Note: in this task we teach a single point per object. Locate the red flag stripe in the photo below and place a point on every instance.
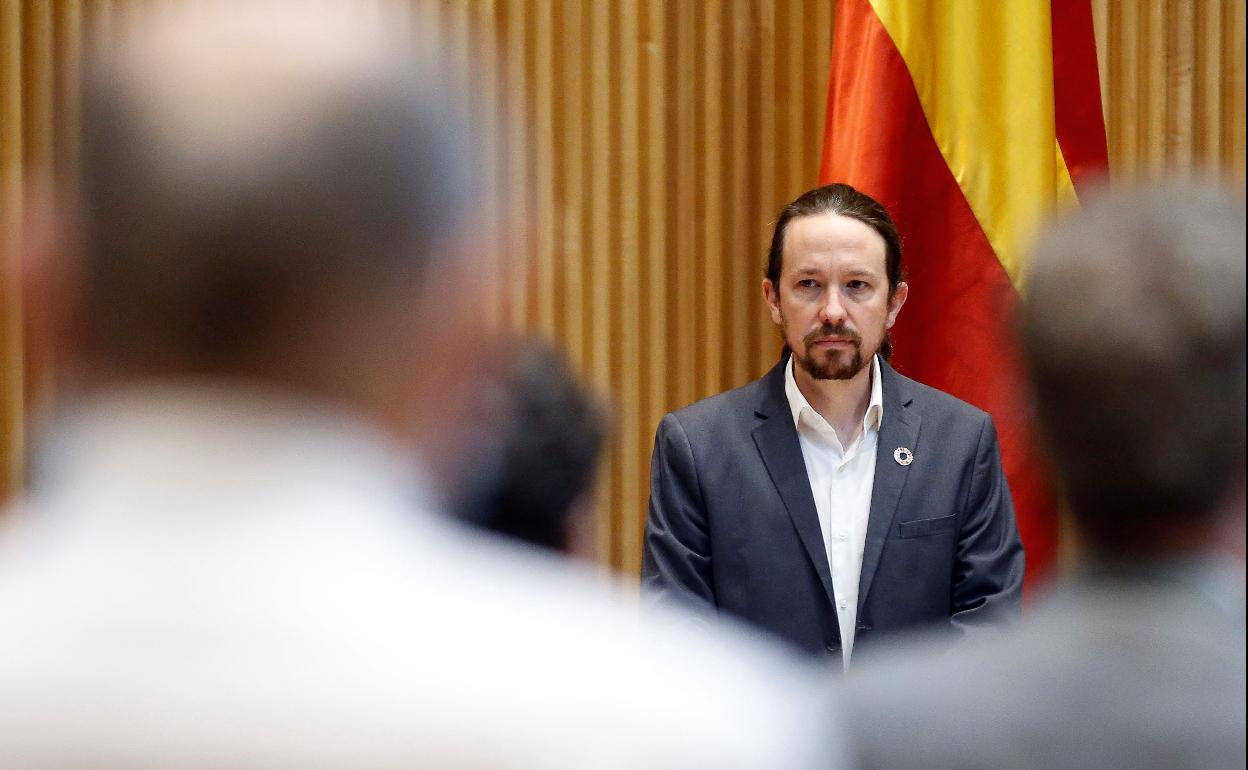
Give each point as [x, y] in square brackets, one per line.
[1080, 124]
[954, 332]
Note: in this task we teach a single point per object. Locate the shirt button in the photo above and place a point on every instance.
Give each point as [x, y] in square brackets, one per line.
[843, 534]
[844, 603]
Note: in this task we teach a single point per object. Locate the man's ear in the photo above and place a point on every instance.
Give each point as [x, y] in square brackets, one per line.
[895, 301]
[771, 293]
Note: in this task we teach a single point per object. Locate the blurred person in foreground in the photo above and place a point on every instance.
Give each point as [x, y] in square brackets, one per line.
[267, 300]
[1134, 334]
[539, 436]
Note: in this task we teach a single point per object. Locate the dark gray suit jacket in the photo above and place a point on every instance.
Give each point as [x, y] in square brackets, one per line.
[1121, 667]
[733, 525]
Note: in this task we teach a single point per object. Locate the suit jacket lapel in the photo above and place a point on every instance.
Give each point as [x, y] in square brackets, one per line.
[899, 429]
[776, 439]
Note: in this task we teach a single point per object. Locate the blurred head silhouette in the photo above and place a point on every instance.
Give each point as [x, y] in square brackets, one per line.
[1134, 332]
[540, 437]
[287, 210]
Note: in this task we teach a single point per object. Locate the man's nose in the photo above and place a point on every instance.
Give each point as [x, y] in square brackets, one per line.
[832, 311]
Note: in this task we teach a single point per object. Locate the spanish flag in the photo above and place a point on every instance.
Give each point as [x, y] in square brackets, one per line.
[970, 121]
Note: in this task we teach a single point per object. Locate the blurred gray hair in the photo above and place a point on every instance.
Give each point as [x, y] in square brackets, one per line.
[1134, 333]
[247, 176]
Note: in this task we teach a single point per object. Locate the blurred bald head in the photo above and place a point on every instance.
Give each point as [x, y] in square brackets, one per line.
[1134, 331]
[268, 190]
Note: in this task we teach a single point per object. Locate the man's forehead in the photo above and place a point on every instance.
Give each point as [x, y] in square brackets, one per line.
[815, 242]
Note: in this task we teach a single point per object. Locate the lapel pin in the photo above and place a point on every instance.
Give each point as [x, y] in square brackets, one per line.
[903, 456]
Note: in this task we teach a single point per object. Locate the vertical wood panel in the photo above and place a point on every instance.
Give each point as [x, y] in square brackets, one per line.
[1233, 30]
[635, 154]
[547, 285]
[568, 171]
[600, 215]
[1172, 84]
[680, 264]
[1123, 126]
[709, 249]
[68, 49]
[1153, 107]
[1207, 63]
[12, 403]
[741, 264]
[796, 169]
[654, 146]
[766, 98]
[1179, 61]
[518, 151]
[38, 86]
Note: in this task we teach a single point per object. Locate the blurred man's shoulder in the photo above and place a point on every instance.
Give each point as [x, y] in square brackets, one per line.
[435, 648]
[687, 683]
[1101, 669]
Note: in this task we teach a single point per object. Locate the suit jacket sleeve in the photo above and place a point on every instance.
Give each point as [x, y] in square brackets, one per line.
[676, 563]
[988, 572]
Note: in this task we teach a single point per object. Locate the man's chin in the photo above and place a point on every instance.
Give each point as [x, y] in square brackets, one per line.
[833, 365]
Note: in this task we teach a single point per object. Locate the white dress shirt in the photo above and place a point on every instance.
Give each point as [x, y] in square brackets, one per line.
[209, 578]
[841, 480]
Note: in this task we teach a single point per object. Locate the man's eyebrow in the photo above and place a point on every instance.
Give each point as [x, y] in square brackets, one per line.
[860, 271]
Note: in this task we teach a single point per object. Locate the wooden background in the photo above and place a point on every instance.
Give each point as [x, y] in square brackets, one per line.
[646, 147]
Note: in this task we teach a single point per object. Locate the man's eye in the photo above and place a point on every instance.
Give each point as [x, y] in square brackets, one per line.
[856, 285]
[808, 283]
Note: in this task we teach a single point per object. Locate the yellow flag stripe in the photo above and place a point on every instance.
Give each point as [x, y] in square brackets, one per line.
[983, 70]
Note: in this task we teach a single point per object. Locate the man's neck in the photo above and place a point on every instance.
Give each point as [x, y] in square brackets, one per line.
[843, 403]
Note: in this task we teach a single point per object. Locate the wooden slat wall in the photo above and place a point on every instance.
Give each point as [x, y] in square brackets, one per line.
[643, 148]
[653, 141]
[1172, 83]
[11, 167]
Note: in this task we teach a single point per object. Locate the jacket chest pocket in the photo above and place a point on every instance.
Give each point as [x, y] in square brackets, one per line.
[921, 527]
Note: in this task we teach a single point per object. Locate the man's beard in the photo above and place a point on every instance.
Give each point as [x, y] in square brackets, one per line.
[832, 364]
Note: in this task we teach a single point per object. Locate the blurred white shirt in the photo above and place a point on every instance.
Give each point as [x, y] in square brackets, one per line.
[214, 579]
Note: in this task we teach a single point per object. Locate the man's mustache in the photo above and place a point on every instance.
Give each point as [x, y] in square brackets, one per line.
[834, 330]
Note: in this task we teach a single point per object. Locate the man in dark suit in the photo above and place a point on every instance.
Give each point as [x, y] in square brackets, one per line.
[834, 500]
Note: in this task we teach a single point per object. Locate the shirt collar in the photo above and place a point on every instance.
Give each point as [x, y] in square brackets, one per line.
[798, 405]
